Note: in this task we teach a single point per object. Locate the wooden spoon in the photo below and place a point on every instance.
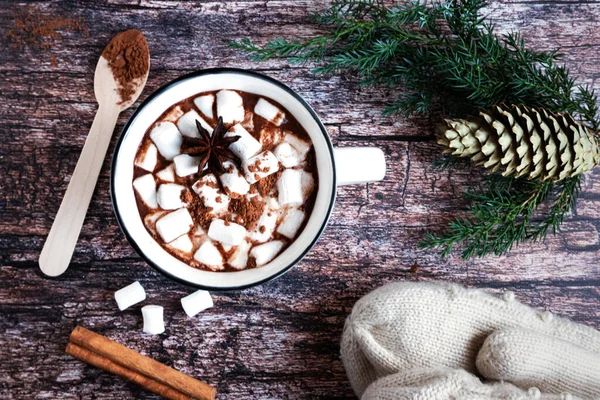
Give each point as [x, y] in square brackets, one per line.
[60, 244]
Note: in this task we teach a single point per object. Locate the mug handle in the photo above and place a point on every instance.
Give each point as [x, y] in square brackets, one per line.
[358, 165]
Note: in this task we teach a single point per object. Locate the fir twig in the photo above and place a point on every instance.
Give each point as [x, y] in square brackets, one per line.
[444, 56]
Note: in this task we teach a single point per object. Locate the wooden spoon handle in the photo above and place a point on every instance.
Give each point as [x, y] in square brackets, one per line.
[60, 244]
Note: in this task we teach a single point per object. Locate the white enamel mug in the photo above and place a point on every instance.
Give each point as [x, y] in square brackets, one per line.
[335, 167]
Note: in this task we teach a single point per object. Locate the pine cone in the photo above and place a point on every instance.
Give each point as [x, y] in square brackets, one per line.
[524, 141]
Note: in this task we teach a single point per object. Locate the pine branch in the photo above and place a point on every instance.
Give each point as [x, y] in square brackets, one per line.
[443, 56]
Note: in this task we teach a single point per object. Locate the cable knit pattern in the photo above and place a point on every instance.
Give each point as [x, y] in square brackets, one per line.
[525, 358]
[408, 326]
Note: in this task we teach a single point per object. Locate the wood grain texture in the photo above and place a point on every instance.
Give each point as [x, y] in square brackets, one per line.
[280, 340]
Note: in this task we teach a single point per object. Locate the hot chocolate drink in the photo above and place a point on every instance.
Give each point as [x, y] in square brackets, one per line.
[225, 180]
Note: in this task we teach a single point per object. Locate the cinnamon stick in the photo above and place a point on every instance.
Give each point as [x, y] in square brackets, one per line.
[105, 364]
[137, 363]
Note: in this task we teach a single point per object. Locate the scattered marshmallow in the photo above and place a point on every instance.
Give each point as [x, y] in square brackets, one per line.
[291, 223]
[205, 104]
[146, 188]
[547, 316]
[169, 196]
[230, 106]
[187, 124]
[308, 184]
[186, 165]
[269, 112]
[264, 226]
[239, 258]
[509, 295]
[260, 166]
[233, 181]
[196, 302]
[209, 255]
[289, 186]
[167, 174]
[130, 295]
[167, 139]
[246, 146]
[154, 323]
[287, 155]
[148, 158]
[174, 224]
[182, 243]
[301, 146]
[534, 392]
[266, 252]
[226, 232]
[207, 189]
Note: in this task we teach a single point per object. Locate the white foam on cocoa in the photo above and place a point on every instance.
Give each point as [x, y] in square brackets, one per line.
[169, 196]
[182, 243]
[186, 165]
[265, 226]
[289, 186]
[167, 139]
[301, 146]
[260, 166]
[196, 302]
[209, 255]
[264, 253]
[187, 124]
[174, 224]
[269, 112]
[228, 233]
[246, 146]
[147, 158]
[205, 105]
[291, 222]
[233, 181]
[167, 174]
[230, 106]
[210, 195]
[239, 258]
[146, 188]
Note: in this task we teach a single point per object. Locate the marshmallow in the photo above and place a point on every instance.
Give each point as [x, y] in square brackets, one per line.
[272, 203]
[226, 247]
[287, 155]
[187, 124]
[167, 174]
[154, 323]
[182, 243]
[291, 223]
[173, 115]
[266, 252]
[199, 231]
[260, 166]
[289, 186]
[230, 106]
[232, 181]
[239, 258]
[146, 188]
[269, 112]
[246, 146]
[151, 218]
[167, 139]
[147, 159]
[207, 188]
[130, 295]
[209, 255]
[308, 184]
[227, 233]
[174, 224]
[264, 226]
[301, 146]
[196, 302]
[270, 135]
[169, 196]
[205, 105]
[186, 165]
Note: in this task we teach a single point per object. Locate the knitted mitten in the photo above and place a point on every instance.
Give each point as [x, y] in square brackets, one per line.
[422, 326]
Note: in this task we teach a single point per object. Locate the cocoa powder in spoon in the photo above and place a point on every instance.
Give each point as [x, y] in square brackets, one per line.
[127, 56]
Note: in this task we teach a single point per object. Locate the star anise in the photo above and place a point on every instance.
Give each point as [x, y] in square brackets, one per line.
[212, 149]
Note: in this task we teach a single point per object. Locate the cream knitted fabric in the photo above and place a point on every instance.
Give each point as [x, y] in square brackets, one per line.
[406, 326]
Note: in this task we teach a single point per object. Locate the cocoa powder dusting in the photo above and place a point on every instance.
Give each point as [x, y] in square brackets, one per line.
[127, 56]
[248, 211]
[265, 185]
[200, 213]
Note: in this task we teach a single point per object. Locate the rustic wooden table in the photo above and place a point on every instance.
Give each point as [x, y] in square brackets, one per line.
[279, 340]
